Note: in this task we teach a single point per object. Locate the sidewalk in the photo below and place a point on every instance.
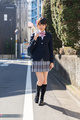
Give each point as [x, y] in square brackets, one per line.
[59, 103]
[74, 91]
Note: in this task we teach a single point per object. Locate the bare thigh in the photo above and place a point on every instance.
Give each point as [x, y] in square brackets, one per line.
[40, 78]
[45, 74]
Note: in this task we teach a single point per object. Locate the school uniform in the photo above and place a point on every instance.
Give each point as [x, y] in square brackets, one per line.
[42, 52]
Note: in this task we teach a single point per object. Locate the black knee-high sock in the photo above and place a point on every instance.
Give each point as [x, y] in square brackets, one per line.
[38, 90]
[43, 90]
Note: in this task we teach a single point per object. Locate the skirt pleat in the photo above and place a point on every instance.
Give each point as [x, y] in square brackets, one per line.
[40, 66]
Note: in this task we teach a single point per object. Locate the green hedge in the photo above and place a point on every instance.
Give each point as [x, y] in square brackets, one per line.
[65, 17]
[46, 12]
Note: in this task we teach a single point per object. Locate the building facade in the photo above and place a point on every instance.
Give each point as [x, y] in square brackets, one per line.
[31, 29]
[22, 19]
[7, 28]
[13, 16]
[34, 10]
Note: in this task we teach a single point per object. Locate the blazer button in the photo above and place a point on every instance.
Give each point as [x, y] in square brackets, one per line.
[41, 42]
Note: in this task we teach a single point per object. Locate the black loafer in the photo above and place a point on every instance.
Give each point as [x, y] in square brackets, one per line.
[41, 102]
[36, 99]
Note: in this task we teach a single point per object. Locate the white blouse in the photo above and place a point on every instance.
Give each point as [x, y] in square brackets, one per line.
[41, 31]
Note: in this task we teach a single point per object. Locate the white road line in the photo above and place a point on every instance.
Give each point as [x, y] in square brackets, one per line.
[4, 64]
[20, 62]
[28, 106]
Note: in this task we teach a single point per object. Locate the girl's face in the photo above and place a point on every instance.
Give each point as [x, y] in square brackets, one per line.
[41, 27]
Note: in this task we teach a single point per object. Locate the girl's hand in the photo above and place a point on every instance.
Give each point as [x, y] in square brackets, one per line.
[51, 65]
[36, 35]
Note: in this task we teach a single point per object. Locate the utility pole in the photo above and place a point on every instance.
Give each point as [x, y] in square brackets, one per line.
[20, 27]
[16, 34]
[11, 35]
[37, 9]
[37, 12]
[41, 5]
[20, 17]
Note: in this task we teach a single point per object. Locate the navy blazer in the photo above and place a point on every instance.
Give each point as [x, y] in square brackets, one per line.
[42, 48]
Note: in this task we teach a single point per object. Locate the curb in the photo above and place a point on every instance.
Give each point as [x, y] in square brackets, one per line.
[74, 91]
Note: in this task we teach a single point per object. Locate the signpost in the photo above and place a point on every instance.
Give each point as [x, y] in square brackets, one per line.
[5, 17]
[16, 34]
[24, 50]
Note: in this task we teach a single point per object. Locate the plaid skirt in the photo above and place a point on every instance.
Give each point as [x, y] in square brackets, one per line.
[40, 66]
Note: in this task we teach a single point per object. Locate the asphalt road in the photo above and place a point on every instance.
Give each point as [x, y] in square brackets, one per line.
[17, 91]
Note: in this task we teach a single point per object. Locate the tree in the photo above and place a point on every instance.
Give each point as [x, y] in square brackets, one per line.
[46, 12]
[65, 16]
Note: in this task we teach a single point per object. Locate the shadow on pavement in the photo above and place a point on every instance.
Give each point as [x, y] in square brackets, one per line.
[64, 111]
[50, 80]
[60, 72]
[12, 80]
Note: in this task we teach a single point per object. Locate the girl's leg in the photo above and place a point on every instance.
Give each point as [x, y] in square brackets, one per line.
[45, 74]
[39, 83]
[43, 88]
[40, 78]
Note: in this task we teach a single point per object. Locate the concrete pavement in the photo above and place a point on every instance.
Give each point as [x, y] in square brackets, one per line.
[59, 103]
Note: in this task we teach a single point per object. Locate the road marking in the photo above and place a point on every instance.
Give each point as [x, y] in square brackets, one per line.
[20, 62]
[28, 106]
[4, 64]
[10, 115]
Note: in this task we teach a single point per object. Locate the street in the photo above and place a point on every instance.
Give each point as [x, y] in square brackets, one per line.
[17, 92]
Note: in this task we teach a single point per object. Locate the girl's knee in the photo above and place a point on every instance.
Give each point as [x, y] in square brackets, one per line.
[45, 82]
[40, 82]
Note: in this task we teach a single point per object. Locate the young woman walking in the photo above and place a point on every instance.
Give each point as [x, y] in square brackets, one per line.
[41, 47]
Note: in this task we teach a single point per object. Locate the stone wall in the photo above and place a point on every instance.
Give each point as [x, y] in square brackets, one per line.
[68, 66]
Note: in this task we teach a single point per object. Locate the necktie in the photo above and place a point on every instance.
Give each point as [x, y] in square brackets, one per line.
[42, 34]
